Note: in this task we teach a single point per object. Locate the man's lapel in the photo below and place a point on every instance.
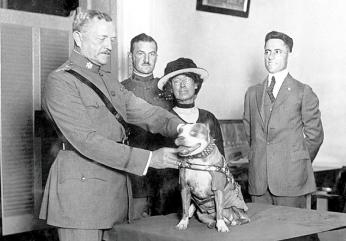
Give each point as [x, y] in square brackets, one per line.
[284, 91]
[260, 92]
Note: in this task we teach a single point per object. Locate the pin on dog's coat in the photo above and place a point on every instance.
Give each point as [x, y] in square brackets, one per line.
[206, 180]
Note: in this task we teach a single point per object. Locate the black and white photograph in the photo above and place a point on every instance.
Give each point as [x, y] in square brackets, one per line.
[197, 120]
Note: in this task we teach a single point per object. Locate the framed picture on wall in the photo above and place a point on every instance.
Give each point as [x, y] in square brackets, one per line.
[238, 8]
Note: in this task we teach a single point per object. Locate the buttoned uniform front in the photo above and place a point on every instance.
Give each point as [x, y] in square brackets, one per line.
[88, 187]
[283, 142]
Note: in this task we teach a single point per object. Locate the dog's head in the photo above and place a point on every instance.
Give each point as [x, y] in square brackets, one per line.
[193, 138]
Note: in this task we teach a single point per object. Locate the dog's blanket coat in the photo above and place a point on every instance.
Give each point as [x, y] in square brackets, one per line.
[232, 195]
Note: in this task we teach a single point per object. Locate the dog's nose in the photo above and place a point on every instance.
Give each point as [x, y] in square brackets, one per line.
[179, 140]
[180, 130]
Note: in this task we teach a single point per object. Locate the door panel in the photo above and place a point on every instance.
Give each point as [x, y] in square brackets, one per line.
[16, 123]
[31, 46]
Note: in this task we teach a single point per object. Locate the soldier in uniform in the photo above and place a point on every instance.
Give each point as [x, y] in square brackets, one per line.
[151, 192]
[88, 189]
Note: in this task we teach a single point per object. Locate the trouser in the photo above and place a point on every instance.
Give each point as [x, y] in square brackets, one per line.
[269, 198]
[70, 234]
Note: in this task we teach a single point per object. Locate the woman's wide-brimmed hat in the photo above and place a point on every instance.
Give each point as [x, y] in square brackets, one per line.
[181, 66]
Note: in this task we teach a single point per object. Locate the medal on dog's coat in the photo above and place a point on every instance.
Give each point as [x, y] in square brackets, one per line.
[206, 180]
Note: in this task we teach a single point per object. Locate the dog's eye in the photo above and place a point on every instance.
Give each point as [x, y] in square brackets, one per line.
[193, 133]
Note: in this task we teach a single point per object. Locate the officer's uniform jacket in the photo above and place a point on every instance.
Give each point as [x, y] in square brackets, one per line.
[146, 88]
[284, 138]
[88, 187]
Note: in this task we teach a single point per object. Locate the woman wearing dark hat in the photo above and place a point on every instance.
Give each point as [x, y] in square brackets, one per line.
[182, 82]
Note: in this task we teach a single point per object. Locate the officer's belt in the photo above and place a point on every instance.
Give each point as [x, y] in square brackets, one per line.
[66, 146]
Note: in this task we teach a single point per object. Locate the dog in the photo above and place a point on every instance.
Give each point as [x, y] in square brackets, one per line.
[205, 179]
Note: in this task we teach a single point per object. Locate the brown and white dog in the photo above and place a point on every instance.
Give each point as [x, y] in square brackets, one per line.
[205, 179]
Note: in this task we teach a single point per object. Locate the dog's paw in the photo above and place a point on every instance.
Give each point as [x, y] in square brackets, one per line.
[192, 209]
[221, 226]
[211, 225]
[182, 225]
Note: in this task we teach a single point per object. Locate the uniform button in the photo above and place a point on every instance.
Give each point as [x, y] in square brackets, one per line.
[113, 93]
[268, 142]
[83, 178]
[271, 109]
[100, 74]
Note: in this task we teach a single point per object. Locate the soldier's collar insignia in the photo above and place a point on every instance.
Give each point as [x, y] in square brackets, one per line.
[89, 65]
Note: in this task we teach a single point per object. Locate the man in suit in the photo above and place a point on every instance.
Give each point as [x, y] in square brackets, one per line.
[88, 189]
[283, 125]
[147, 189]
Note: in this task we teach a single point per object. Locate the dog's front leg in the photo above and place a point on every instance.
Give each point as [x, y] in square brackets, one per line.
[186, 200]
[220, 223]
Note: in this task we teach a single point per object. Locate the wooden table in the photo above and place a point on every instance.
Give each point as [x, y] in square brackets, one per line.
[267, 223]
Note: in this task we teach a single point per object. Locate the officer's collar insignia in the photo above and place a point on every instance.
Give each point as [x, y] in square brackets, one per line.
[66, 67]
[89, 65]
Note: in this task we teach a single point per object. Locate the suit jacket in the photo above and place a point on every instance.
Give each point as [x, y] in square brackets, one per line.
[88, 187]
[282, 152]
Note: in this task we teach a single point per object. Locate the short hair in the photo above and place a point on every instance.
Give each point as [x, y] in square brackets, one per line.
[278, 35]
[83, 18]
[141, 37]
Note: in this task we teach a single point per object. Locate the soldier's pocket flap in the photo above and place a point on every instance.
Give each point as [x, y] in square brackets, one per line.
[72, 167]
[67, 166]
[301, 155]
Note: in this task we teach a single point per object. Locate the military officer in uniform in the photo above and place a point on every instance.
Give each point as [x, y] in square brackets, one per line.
[88, 189]
[143, 56]
[147, 190]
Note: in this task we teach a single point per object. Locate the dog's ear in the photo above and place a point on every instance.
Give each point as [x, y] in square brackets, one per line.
[208, 126]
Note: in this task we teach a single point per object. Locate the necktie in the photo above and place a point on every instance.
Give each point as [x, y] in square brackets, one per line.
[270, 90]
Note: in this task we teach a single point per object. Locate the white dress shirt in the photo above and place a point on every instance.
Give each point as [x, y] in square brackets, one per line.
[279, 79]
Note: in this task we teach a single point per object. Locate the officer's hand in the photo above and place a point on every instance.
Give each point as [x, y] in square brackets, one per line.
[164, 158]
